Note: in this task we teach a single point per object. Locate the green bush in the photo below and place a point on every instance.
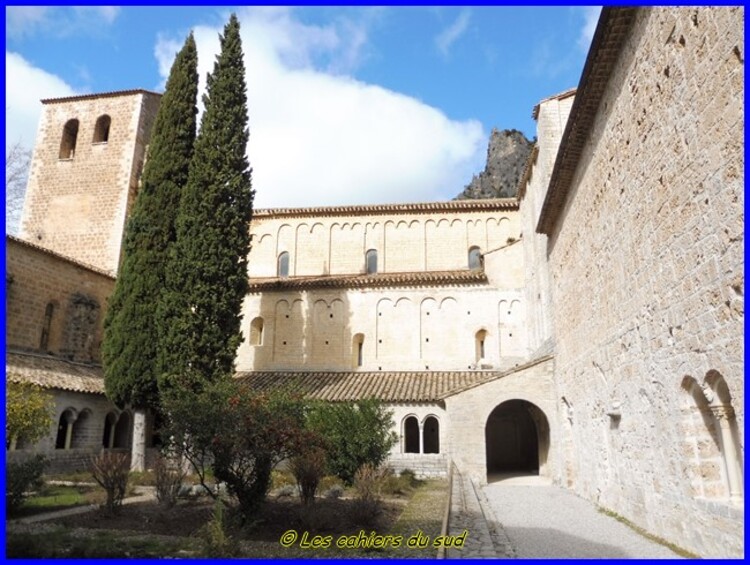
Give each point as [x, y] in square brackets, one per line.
[28, 412]
[355, 433]
[217, 541]
[22, 477]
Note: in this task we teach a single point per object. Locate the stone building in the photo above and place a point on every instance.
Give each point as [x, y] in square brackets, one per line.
[588, 331]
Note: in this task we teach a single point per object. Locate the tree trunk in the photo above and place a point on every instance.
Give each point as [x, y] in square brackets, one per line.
[138, 457]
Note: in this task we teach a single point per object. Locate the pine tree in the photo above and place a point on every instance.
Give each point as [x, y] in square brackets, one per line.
[129, 349]
[207, 280]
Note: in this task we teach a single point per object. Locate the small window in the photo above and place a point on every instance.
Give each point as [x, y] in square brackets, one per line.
[44, 342]
[475, 258]
[431, 435]
[283, 264]
[480, 339]
[101, 130]
[69, 138]
[371, 262]
[357, 346]
[256, 331]
[108, 439]
[411, 435]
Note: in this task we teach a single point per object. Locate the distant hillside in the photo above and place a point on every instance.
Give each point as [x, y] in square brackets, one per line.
[506, 157]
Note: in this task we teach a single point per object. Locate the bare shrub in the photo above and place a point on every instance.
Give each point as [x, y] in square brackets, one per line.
[368, 485]
[169, 478]
[110, 470]
[308, 469]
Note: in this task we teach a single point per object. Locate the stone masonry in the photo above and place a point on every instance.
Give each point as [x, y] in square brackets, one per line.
[80, 187]
[646, 258]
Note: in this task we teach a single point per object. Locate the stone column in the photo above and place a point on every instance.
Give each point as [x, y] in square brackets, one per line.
[724, 415]
[421, 437]
[138, 457]
[68, 433]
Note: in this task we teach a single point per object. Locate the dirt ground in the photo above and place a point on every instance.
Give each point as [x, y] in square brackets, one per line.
[276, 517]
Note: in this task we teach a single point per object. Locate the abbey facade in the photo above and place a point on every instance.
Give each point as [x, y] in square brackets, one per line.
[588, 331]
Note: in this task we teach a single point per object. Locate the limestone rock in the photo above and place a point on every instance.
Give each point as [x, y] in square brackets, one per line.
[506, 157]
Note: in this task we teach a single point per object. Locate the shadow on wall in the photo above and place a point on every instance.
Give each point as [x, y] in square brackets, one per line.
[305, 331]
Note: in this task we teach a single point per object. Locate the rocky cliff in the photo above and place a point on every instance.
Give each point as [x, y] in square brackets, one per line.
[506, 157]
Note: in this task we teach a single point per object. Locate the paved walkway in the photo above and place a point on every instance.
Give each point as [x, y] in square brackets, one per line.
[545, 521]
[527, 517]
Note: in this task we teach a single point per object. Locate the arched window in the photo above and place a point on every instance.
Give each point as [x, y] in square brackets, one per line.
[80, 435]
[65, 429]
[480, 339]
[69, 138]
[431, 435]
[411, 435]
[282, 267]
[122, 431]
[256, 331]
[101, 130]
[44, 341]
[475, 258]
[371, 261]
[358, 342]
[108, 439]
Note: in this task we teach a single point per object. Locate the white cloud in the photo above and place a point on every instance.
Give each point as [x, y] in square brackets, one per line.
[319, 137]
[58, 21]
[591, 18]
[25, 86]
[446, 38]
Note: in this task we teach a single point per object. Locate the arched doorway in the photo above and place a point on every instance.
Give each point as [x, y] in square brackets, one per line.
[516, 439]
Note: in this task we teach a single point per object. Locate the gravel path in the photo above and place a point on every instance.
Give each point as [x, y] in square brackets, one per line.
[549, 522]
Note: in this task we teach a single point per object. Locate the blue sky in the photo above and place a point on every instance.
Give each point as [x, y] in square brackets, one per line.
[347, 105]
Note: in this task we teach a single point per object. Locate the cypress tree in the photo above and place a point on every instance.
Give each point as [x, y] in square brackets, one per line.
[129, 349]
[207, 278]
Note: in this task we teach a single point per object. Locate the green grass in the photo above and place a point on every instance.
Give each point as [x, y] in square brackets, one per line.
[54, 497]
[661, 541]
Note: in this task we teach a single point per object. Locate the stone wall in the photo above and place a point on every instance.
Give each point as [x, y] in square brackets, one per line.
[77, 199]
[647, 265]
[470, 410]
[54, 305]
[412, 239]
[551, 117]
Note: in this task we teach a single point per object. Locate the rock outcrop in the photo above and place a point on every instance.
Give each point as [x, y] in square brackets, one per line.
[506, 157]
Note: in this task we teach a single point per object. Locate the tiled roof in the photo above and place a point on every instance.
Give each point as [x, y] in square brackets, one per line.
[610, 35]
[429, 278]
[375, 209]
[60, 256]
[99, 95]
[53, 372]
[388, 386]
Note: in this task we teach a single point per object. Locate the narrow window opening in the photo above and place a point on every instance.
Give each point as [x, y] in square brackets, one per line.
[283, 264]
[256, 331]
[69, 139]
[371, 261]
[475, 258]
[101, 130]
[411, 435]
[44, 341]
[357, 348]
[431, 435]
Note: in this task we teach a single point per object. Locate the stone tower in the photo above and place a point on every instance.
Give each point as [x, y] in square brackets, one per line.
[84, 175]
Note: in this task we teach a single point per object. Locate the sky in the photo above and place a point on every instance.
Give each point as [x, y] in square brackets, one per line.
[356, 105]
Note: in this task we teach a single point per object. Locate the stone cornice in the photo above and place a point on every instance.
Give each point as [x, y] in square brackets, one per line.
[379, 280]
[489, 204]
[57, 255]
[111, 94]
[611, 33]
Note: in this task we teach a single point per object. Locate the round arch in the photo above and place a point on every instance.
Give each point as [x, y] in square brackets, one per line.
[517, 439]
